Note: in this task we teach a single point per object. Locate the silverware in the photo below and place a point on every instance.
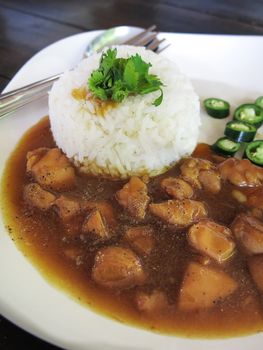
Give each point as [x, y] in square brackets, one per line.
[11, 101]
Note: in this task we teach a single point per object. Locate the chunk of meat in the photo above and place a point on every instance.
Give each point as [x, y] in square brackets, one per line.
[212, 239]
[140, 238]
[67, 207]
[117, 267]
[51, 169]
[203, 286]
[210, 180]
[191, 167]
[241, 172]
[34, 156]
[249, 232]
[70, 213]
[153, 302]
[37, 197]
[105, 209]
[95, 226]
[180, 213]
[133, 196]
[255, 265]
[257, 213]
[204, 151]
[177, 188]
[255, 199]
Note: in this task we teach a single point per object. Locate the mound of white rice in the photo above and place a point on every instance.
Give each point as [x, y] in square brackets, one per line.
[133, 138]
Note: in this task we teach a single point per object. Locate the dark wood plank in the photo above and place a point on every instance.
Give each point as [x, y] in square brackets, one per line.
[13, 338]
[22, 35]
[3, 82]
[170, 15]
[249, 12]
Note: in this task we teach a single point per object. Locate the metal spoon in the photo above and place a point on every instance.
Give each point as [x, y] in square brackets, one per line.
[113, 36]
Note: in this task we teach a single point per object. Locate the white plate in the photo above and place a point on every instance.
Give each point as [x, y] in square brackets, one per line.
[226, 66]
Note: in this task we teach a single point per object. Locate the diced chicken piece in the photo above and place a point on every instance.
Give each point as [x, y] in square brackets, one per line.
[201, 173]
[34, 156]
[212, 239]
[105, 209]
[177, 188]
[210, 180]
[249, 232]
[241, 172]
[257, 213]
[51, 169]
[133, 196]
[191, 168]
[255, 265]
[204, 151]
[117, 267]
[67, 207]
[180, 213]
[203, 286]
[95, 226]
[217, 159]
[37, 197]
[140, 238]
[155, 301]
[255, 199]
[70, 212]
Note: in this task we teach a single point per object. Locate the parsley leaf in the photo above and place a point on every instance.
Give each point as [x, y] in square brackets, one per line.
[130, 76]
[159, 99]
[107, 60]
[117, 78]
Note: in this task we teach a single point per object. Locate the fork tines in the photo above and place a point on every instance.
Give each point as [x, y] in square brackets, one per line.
[147, 38]
[134, 40]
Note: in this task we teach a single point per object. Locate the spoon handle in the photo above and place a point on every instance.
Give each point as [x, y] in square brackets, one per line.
[11, 101]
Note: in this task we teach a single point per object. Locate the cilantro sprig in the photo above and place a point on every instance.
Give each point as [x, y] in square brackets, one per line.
[117, 78]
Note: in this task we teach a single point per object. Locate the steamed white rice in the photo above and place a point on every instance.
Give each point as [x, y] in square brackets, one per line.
[134, 138]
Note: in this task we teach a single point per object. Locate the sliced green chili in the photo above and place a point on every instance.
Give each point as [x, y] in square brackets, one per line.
[254, 152]
[216, 107]
[249, 113]
[239, 131]
[225, 146]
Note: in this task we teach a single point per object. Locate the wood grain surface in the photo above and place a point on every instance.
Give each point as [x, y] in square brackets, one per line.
[28, 26]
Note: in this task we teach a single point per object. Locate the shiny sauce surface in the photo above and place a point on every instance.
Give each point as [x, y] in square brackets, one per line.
[41, 237]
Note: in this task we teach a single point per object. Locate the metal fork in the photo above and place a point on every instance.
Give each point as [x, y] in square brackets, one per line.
[15, 99]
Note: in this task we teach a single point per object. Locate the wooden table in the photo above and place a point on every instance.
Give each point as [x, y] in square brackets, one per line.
[28, 26]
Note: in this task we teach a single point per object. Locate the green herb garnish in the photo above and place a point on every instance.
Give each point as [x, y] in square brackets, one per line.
[117, 78]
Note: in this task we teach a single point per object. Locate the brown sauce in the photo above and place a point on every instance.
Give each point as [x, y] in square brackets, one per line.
[100, 107]
[41, 238]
